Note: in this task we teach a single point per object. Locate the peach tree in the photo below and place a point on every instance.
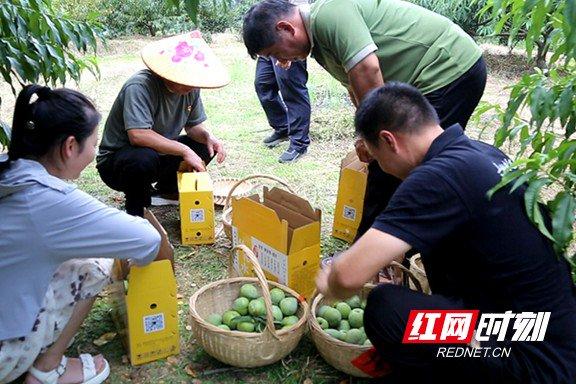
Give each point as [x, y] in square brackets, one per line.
[539, 120]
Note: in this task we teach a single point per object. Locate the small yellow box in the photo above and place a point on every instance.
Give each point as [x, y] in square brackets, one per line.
[350, 199]
[196, 208]
[283, 231]
[145, 307]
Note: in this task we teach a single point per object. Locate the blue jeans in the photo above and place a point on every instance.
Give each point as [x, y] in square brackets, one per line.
[285, 100]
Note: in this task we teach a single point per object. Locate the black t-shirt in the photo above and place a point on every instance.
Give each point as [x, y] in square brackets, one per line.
[484, 252]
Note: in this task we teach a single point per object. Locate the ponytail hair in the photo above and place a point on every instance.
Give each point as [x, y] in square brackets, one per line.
[43, 124]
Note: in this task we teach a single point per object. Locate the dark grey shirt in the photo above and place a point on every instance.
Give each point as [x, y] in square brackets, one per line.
[145, 102]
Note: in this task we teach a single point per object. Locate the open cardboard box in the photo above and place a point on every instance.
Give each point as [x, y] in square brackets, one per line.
[283, 231]
[350, 199]
[145, 305]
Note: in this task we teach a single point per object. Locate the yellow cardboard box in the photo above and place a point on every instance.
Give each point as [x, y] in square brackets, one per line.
[283, 230]
[196, 208]
[145, 305]
[350, 200]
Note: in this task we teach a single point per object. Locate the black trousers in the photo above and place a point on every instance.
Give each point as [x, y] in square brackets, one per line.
[385, 318]
[132, 170]
[454, 103]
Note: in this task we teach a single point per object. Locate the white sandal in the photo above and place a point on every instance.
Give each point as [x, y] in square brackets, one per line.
[88, 371]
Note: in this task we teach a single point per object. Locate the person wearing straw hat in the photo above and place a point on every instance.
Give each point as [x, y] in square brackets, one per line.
[480, 251]
[141, 143]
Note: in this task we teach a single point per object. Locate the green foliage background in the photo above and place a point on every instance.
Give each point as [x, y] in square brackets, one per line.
[540, 118]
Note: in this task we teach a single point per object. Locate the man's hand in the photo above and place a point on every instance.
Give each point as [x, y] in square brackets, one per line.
[215, 147]
[284, 64]
[362, 152]
[192, 162]
[322, 284]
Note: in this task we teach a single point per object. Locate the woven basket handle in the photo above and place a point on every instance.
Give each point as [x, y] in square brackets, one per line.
[410, 275]
[263, 283]
[239, 182]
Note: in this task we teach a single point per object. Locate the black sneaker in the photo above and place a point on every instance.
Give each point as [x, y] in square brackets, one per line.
[275, 139]
[290, 155]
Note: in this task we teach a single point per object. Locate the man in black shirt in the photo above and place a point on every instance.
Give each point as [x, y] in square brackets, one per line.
[479, 252]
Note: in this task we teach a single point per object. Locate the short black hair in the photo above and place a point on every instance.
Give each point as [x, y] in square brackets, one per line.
[260, 21]
[394, 107]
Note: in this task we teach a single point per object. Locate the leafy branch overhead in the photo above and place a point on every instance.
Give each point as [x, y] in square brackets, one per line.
[37, 45]
[539, 121]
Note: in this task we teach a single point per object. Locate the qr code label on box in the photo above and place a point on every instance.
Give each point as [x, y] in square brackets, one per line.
[349, 213]
[154, 323]
[196, 215]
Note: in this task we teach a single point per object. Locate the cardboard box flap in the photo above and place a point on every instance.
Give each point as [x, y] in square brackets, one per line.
[263, 221]
[351, 161]
[194, 182]
[150, 277]
[166, 251]
[304, 237]
[292, 202]
[294, 219]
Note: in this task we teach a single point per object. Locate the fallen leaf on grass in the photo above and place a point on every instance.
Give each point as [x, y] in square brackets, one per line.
[105, 339]
[308, 381]
[125, 359]
[189, 371]
[173, 360]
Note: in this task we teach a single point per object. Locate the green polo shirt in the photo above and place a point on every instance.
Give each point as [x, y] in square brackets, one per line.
[414, 45]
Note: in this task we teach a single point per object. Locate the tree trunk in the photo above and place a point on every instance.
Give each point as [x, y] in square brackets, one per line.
[151, 29]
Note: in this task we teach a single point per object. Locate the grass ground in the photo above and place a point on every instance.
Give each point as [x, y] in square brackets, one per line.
[236, 117]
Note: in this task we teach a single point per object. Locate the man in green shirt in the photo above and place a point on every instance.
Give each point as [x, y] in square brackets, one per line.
[363, 43]
[142, 142]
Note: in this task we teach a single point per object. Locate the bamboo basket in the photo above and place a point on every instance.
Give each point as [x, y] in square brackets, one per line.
[223, 185]
[417, 268]
[242, 349]
[337, 353]
[227, 211]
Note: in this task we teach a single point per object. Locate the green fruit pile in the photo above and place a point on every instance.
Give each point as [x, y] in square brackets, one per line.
[344, 320]
[248, 312]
